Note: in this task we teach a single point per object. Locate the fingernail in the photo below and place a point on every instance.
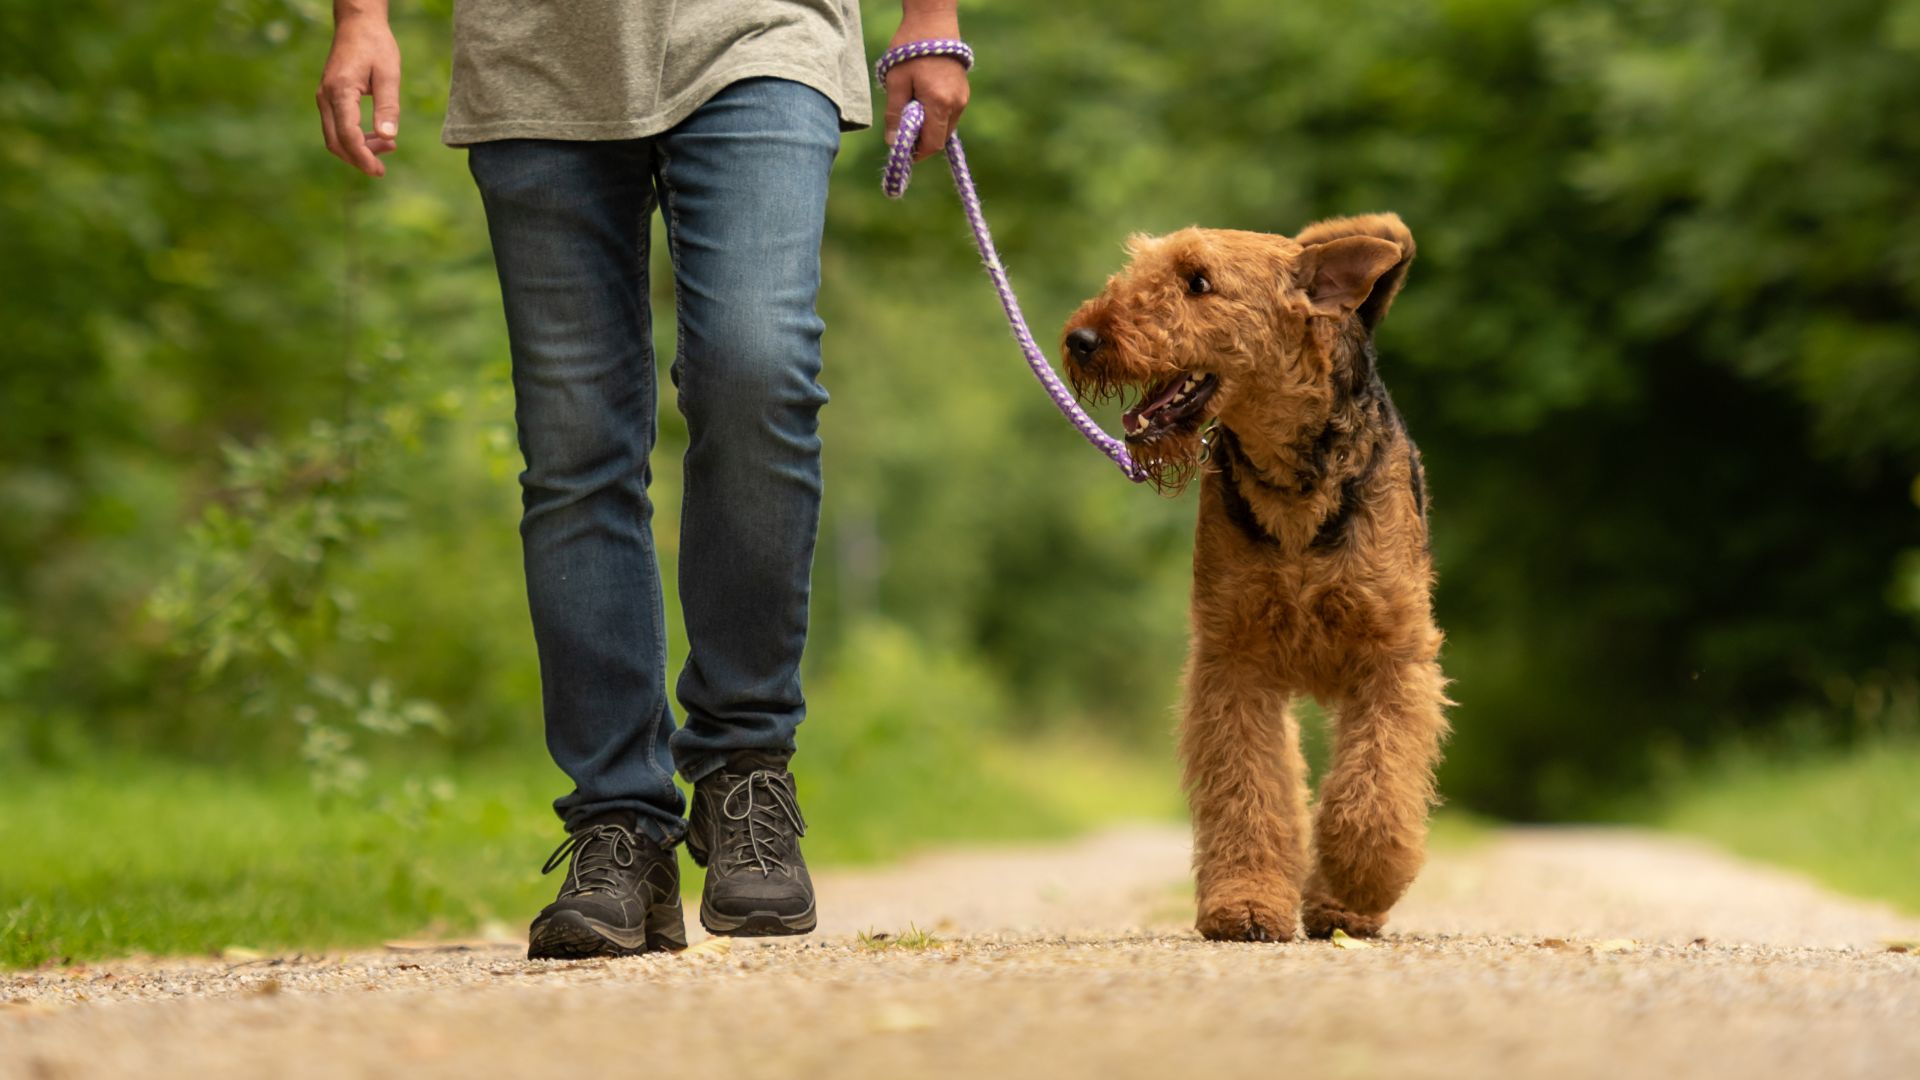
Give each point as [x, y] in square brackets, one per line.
[389, 128]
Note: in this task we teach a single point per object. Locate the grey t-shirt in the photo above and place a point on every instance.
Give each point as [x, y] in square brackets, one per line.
[624, 69]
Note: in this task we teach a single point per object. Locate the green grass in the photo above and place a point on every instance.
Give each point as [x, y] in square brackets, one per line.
[912, 939]
[1849, 819]
[913, 748]
[1458, 830]
[166, 858]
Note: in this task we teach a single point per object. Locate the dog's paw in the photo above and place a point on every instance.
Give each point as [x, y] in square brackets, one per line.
[1322, 917]
[1245, 920]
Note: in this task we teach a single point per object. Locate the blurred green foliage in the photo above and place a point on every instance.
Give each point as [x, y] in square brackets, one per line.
[1660, 351]
[1847, 817]
[249, 860]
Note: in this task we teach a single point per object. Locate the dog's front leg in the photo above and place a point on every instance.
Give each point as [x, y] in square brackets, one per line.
[1246, 784]
[1371, 827]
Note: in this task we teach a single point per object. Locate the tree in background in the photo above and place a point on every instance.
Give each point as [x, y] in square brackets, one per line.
[1659, 351]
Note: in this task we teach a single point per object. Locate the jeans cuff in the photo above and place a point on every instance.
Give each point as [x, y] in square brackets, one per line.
[707, 764]
[653, 826]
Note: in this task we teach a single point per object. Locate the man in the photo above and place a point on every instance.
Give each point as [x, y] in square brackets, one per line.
[580, 119]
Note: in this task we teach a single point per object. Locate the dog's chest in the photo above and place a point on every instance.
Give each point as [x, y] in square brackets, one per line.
[1310, 621]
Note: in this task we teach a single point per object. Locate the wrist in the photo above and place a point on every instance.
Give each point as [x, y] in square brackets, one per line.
[362, 28]
[927, 31]
[359, 13]
[925, 22]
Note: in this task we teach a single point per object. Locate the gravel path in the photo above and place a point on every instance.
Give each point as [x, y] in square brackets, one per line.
[1563, 953]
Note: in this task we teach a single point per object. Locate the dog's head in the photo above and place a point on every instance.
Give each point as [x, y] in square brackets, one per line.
[1215, 323]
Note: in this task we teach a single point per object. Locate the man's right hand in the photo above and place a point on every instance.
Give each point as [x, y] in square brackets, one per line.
[365, 60]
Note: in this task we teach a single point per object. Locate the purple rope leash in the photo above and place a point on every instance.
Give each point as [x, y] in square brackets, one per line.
[894, 183]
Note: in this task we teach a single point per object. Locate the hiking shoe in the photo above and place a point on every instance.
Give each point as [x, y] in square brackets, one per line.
[621, 897]
[745, 829]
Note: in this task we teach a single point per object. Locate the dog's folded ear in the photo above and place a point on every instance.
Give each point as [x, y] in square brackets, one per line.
[1355, 264]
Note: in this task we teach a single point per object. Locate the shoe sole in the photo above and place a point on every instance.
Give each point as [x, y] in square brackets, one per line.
[569, 935]
[758, 923]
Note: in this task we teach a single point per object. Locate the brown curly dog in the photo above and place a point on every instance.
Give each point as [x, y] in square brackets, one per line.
[1253, 359]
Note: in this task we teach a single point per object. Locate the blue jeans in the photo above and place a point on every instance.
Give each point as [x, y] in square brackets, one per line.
[742, 183]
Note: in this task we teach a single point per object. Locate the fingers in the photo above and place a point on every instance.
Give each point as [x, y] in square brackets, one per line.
[326, 125]
[943, 115]
[352, 140]
[899, 92]
[376, 143]
[940, 85]
[386, 102]
[933, 136]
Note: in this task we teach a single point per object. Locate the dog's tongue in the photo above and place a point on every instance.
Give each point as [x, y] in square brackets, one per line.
[1134, 420]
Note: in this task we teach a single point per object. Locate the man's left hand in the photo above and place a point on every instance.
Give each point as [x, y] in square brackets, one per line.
[938, 83]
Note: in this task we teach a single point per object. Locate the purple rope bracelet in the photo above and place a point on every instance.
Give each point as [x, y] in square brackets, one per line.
[894, 183]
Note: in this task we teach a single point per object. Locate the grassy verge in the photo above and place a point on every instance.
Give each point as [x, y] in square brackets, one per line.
[165, 858]
[1849, 819]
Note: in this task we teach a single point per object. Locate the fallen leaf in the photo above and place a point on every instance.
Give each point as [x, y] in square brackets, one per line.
[895, 1017]
[267, 987]
[1343, 940]
[494, 930]
[241, 953]
[713, 946]
[1903, 945]
[1617, 945]
[1553, 943]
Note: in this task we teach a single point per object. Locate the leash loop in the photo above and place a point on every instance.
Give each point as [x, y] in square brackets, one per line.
[893, 181]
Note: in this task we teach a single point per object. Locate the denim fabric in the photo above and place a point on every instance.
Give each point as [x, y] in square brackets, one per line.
[742, 183]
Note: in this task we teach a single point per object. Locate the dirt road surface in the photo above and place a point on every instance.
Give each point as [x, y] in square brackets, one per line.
[1552, 953]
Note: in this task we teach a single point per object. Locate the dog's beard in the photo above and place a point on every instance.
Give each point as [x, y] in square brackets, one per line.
[1095, 387]
[1169, 459]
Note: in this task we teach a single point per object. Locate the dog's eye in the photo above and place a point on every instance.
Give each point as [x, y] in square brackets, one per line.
[1198, 285]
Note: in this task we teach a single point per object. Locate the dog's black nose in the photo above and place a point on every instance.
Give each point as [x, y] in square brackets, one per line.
[1082, 343]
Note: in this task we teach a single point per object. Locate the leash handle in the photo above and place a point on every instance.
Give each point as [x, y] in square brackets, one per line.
[913, 116]
[893, 181]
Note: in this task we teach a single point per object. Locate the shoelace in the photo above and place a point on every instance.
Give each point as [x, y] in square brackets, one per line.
[597, 867]
[763, 801]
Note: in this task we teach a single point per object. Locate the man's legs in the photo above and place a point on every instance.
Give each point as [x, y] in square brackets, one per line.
[569, 223]
[743, 185]
[744, 182]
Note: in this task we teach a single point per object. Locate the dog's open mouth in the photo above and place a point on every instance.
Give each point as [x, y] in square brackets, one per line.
[1175, 404]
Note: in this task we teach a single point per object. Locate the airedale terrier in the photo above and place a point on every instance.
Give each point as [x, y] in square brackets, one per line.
[1254, 361]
